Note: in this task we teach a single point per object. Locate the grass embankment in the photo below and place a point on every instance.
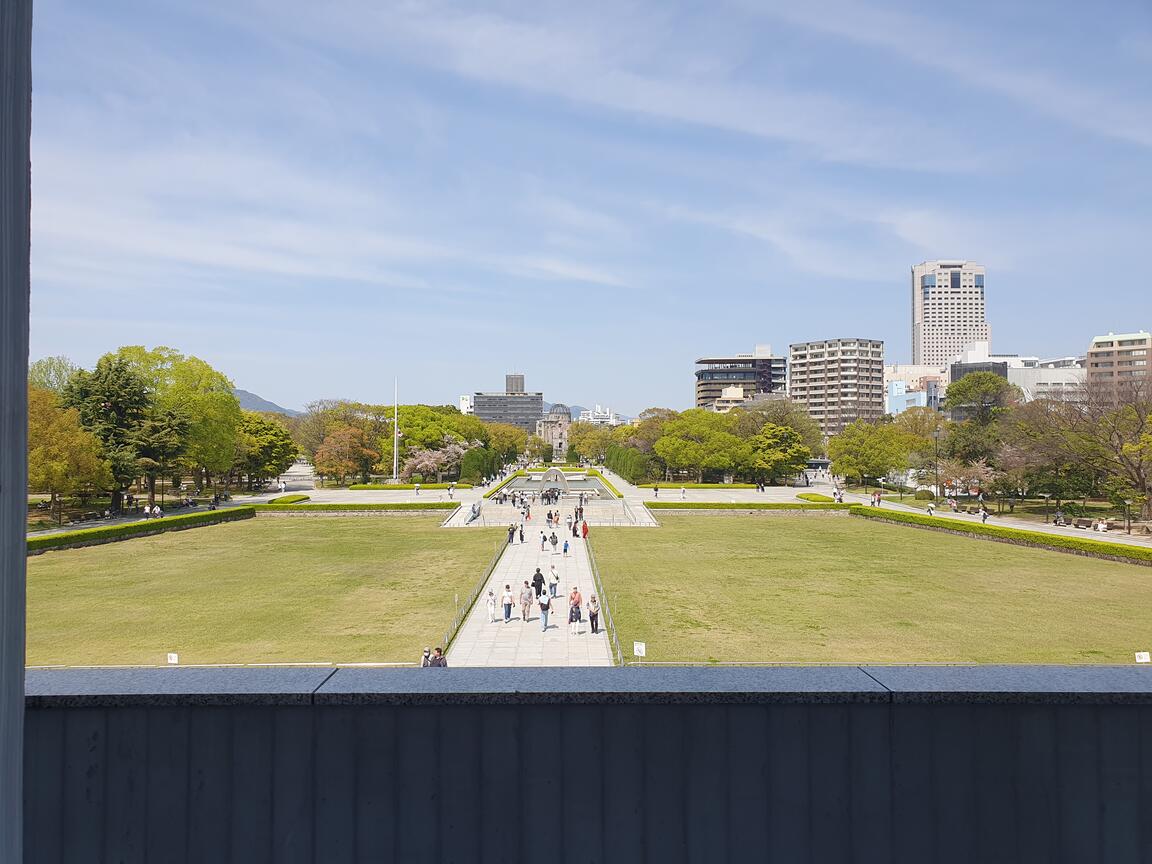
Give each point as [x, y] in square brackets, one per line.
[335, 507]
[862, 591]
[749, 505]
[400, 487]
[143, 527]
[674, 485]
[262, 590]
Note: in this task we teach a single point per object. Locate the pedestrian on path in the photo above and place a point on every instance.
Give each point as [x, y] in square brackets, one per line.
[565, 548]
[521, 532]
[683, 494]
[656, 491]
[538, 582]
[491, 603]
[439, 661]
[554, 541]
[931, 507]
[426, 658]
[543, 540]
[526, 598]
[594, 613]
[545, 607]
[584, 530]
[507, 600]
[568, 521]
[511, 534]
[553, 582]
[574, 601]
[984, 514]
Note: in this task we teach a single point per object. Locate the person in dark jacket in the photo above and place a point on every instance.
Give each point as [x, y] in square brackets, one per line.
[439, 660]
[538, 582]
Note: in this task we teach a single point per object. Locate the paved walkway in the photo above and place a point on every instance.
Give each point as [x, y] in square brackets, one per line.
[519, 643]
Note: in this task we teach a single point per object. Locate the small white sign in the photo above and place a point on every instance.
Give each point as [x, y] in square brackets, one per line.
[173, 659]
[639, 649]
[1143, 657]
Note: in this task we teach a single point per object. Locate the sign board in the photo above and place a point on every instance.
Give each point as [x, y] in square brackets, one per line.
[639, 649]
[173, 659]
[1143, 657]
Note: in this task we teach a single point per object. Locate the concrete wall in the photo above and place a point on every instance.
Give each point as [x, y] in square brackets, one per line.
[1007, 764]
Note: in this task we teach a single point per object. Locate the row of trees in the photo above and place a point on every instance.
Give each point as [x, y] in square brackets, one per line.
[353, 440]
[141, 414]
[766, 444]
[1097, 444]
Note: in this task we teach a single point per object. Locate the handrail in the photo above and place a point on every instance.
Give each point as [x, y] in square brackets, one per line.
[463, 610]
[604, 605]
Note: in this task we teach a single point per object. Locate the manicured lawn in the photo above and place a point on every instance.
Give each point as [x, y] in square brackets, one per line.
[836, 589]
[340, 589]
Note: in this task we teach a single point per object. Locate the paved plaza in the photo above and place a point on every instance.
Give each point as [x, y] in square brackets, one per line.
[523, 643]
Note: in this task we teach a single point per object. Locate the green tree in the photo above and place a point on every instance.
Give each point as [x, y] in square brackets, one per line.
[51, 373]
[589, 440]
[266, 448]
[63, 457]
[866, 449]
[697, 441]
[507, 441]
[347, 451]
[159, 440]
[112, 401]
[778, 451]
[981, 396]
[538, 449]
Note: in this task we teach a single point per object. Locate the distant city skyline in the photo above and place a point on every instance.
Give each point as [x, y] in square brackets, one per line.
[320, 199]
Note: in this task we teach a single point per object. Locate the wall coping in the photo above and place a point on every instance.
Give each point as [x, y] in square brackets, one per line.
[190, 686]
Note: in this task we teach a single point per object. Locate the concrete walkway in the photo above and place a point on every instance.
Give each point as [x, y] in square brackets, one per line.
[519, 643]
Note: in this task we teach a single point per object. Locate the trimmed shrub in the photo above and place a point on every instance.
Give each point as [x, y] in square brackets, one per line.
[289, 499]
[674, 485]
[593, 472]
[404, 505]
[399, 487]
[924, 495]
[504, 483]
[815, 496]
[1019, 536]
[753, 505]
[127, 530]
[629, 463]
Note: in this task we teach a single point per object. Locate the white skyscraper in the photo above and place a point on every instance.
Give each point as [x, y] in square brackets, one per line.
[947, 310]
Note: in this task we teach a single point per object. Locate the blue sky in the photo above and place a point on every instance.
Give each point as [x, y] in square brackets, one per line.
[316, 197]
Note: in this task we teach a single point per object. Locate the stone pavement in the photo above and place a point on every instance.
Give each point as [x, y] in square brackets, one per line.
[519, 643]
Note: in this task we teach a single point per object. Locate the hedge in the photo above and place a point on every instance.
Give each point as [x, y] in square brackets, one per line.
[606, 482]
[505, 482]
[563, 466]
[288, 499]
[1018, 536]
[673, 485]
[815, 496]
[363, 487]
[127, 530]
[753, 505]
[404, 505]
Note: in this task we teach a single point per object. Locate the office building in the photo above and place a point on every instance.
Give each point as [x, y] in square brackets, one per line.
[899, 397]
[513, 406]
[838, 381]
[1119, 362]
[466, 404]
[755, 373]
[947, 310]
[601, 417]
[1060, 383]
[553, 428]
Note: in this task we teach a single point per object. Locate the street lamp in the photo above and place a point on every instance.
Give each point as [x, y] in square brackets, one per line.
[1128, 513]
[1045, 496]
[936, 438]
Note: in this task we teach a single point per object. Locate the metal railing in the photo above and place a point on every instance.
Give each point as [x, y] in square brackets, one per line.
[605, 606]
[462, 609]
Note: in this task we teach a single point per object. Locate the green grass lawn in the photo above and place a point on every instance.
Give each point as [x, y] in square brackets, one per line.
[262, 590]
[837, 589]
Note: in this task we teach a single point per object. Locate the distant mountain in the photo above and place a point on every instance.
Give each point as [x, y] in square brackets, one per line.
[573, 409]
[252, 402]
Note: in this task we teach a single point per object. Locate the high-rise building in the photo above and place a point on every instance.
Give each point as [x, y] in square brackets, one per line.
[512, 406]
[838, 381]
[755, 373]
[1119, 361]
[947, 310]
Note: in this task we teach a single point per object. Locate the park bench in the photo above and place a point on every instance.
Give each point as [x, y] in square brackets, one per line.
[1082, 523]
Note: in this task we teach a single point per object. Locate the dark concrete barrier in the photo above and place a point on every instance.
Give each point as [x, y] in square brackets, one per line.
[821, 764]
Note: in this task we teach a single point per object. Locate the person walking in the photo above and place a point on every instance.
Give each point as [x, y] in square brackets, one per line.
[511, 534]
[526, 598]
[553, 582]
[574, 601]
[545, 607]
[565, 548]
[984, 514]
[931, 507]
[507, 600]
[656, 491]
[491, 604]
[426, 659]
[439, 661]
[521, 532]
[554, 541]
[584, 530]
[538, 582]
[594, 613]
[543, 540]
[683, 493]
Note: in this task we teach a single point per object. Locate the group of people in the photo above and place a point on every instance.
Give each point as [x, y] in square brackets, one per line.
[434, 659]
[533, 594]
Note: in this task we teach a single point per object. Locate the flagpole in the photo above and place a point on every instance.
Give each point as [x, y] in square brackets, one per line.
[395, 429]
